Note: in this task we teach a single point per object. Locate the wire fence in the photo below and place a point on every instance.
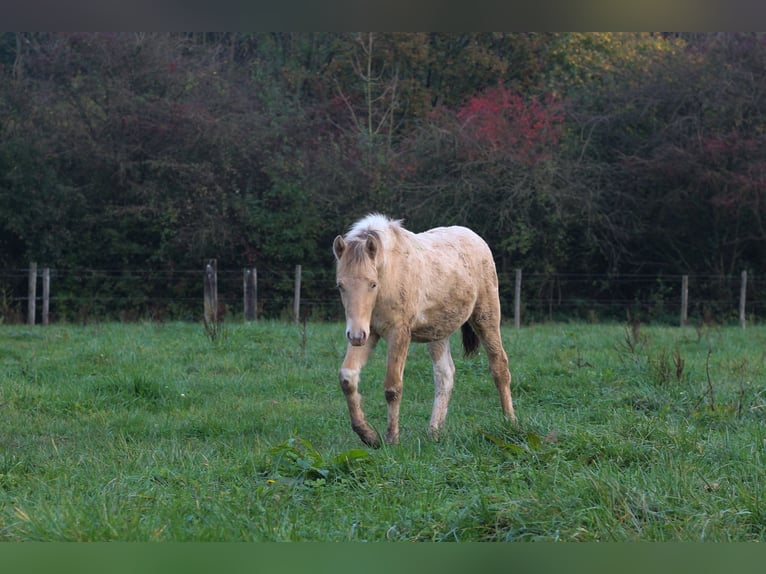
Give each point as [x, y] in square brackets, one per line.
[82, 295]
[643, 297]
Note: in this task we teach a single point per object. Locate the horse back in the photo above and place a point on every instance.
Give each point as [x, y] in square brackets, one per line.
[448, 272]
[458, 250]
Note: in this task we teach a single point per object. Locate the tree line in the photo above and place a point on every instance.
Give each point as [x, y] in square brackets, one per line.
[608, 153]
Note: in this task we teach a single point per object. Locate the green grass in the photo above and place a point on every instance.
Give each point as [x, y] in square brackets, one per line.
[153, 432]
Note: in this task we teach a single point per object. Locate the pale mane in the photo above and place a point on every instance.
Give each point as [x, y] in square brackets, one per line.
[374, 223]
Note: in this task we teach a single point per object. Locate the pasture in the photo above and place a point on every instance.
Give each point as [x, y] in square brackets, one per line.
[140, 432]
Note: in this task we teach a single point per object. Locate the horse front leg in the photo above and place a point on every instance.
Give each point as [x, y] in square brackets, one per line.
[398, 347]
[349, 374]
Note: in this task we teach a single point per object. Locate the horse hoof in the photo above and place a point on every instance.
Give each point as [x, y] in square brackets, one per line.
[392, 439]
[372, 442]
[367, 434]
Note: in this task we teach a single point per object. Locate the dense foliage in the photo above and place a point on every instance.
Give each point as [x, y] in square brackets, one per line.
[570, 153]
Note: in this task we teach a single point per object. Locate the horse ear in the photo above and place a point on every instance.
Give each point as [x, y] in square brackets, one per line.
[371, 246]
[338, 247]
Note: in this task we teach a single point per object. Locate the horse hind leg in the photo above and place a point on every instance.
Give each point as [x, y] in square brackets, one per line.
[489, 333]
[444, 379]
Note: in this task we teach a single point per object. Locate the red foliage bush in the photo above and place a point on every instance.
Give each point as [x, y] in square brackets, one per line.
[498, 121]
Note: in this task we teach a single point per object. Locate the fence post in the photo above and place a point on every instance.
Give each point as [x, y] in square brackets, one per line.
[32, 295]
[250, 293]
[46, 294]
[742, 299]
[211, 291]
[297, 299]
[684, 300]
[517, 301]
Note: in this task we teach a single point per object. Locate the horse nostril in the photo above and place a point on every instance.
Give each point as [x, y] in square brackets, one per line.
[357, 339]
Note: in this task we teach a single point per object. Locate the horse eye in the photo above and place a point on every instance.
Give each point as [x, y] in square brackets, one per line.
[341, 288]
[373, 285]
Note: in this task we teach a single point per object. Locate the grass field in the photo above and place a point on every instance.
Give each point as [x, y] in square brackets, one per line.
[141, 432]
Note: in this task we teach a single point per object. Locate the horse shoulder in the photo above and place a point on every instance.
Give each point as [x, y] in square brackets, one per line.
[399, 285]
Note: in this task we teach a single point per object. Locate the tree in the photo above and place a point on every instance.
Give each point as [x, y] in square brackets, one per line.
[490, 164]
[685, 146]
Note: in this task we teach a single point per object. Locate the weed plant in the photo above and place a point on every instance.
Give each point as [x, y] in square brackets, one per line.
[139, 432]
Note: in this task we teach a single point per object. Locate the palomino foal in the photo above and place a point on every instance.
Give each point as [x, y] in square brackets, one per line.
[406, 287]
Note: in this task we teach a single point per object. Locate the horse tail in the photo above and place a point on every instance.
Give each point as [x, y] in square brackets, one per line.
[470, 340]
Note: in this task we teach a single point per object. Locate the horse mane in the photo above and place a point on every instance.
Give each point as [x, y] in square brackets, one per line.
[374, 225]
[356, 247]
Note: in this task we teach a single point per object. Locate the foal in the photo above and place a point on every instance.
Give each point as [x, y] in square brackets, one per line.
[406, 287]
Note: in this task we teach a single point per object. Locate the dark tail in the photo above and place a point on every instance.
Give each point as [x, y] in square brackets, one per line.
[470, 340]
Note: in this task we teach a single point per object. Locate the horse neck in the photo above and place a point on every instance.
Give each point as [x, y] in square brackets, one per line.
[399, 262]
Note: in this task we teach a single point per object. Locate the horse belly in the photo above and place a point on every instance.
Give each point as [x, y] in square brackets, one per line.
[435, 324]
[430, 333]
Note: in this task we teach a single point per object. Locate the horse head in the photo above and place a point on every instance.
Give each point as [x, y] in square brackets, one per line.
[357, 279]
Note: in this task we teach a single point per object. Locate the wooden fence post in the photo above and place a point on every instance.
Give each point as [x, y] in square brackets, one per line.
[297, 299]
[32, 295]
[742, 299]
[46, 295]
[250, 293]
[517, 301]
[684, 300]
[211, 291]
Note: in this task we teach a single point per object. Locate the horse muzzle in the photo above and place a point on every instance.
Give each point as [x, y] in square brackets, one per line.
[357, 338]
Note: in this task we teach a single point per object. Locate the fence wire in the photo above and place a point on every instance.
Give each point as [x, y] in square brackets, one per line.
[79, 295]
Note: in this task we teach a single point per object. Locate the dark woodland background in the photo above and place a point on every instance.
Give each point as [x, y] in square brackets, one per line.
[128, 159]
